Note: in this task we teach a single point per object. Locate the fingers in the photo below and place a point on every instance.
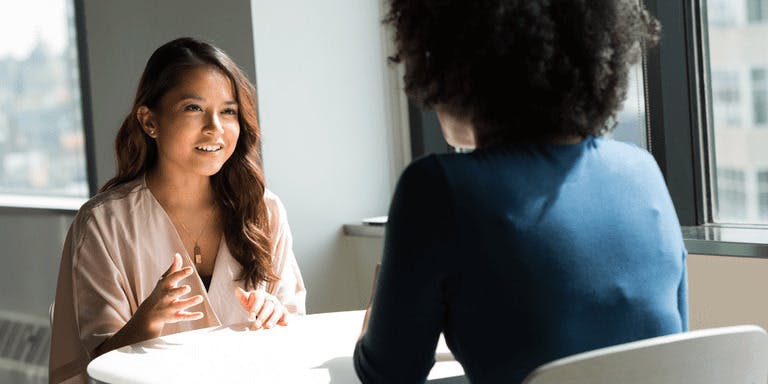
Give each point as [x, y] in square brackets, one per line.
[182, 304]
[175, 265]
[175, 293]
[186, 316]
[179, 312]
[264, 310]
[284, 318]
[274, 316]
[267, 307]
[242, 295]
[175, 277]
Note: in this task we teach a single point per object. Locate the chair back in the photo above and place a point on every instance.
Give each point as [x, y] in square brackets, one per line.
[734, 355]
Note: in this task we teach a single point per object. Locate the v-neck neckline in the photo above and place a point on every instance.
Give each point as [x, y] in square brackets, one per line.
[180, 242]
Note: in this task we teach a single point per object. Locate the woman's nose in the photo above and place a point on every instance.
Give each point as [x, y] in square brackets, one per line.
[214, 123]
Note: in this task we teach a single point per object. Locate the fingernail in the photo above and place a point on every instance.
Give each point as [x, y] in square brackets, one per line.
[252, 316]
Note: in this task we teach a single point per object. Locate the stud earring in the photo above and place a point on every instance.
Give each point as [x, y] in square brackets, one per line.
[151, 133]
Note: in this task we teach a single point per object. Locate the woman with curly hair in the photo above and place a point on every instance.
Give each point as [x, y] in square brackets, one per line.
[548, 239]
[186, 235]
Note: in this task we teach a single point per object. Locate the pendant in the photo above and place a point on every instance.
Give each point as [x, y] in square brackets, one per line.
[198, 254]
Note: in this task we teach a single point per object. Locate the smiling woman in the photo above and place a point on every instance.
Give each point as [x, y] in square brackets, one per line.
[189, 183]
[200, 125]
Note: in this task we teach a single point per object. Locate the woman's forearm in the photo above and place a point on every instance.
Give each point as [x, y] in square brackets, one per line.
[135, 330]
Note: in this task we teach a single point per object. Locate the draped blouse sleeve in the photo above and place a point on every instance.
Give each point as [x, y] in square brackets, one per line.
[290, 288]
[92, 300]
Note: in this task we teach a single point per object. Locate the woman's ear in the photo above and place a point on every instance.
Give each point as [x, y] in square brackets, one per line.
[147, 120]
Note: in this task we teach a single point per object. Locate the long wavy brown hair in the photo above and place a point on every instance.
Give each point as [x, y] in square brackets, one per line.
[239, 185]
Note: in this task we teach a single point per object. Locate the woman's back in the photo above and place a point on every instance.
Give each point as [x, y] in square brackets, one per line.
[527, 254]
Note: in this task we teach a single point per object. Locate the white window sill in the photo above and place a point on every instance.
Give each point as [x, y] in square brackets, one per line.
[18, 203]
[710, 239]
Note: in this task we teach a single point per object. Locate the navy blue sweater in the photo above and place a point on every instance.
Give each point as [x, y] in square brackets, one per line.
[523, 255]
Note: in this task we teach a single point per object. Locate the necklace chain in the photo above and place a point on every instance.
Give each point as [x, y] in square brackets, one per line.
[196, 250]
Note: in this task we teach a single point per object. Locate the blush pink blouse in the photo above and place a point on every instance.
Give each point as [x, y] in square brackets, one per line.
[117, 248]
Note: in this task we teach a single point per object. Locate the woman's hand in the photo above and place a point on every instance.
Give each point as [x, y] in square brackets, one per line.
[264, 310]
[164, 304]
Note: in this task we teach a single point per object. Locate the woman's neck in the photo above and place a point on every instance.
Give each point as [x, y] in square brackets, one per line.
[179, 192]
[566, 139]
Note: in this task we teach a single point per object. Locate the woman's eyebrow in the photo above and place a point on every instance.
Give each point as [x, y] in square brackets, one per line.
[199, 98]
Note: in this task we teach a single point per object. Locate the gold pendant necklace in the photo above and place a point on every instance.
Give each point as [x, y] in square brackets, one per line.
[198, 254]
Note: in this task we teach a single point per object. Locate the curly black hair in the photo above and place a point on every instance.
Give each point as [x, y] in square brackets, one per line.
[521, 69]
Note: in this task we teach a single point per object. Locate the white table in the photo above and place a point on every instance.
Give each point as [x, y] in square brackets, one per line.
[312, 349]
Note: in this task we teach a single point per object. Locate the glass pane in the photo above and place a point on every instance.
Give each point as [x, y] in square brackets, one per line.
[631, 125]
[41, 128]
[738, 62]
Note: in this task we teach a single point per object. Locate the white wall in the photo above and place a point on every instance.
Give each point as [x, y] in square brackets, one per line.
[30, 253]
[323, 99]
[726, 291]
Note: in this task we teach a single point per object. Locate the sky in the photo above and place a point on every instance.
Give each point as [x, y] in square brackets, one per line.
[23, 22]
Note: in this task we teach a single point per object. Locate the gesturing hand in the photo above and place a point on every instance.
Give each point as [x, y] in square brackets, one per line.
[164, 304]
[264, 310]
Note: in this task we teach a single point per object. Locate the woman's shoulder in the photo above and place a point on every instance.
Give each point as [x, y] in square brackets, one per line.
[627, 158]
[275, 208]
[425, 169]
[122, 197]
[622, 149]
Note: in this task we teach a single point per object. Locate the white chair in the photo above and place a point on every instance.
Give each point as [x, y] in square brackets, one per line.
[50, 312]
[732, 355]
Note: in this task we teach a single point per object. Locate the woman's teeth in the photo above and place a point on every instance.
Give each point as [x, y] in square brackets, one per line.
[209, 148]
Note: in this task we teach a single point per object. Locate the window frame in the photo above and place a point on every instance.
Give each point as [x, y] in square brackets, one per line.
[680, 131]
[678, 120]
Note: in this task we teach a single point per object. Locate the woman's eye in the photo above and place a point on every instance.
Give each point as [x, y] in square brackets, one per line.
[230, 111]
[193, 107]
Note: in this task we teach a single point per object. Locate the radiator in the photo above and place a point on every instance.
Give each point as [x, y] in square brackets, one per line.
[25, 342]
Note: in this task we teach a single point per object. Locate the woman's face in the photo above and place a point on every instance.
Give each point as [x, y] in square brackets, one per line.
[195, 124]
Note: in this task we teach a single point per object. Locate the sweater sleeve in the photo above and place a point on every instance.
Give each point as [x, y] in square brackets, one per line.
[408, 307]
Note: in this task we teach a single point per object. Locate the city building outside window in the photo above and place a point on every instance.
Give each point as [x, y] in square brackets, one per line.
[727, 96]
[757, 10]
[738, 64]
[731, 194]
[41, 119]
[762, 195]
[759, 80]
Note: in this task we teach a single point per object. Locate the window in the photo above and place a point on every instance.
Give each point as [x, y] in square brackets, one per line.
[723, 13]
[759, 80]
[762, 195]
[631, 125]
[41, 117]
[731, 195]
[738, 73]
[757, 11]
[727, 99]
